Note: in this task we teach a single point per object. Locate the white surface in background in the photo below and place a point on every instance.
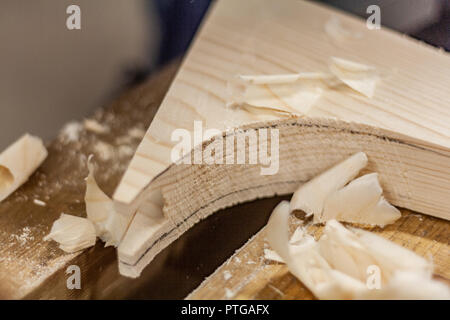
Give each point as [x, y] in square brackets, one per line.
[50, 75]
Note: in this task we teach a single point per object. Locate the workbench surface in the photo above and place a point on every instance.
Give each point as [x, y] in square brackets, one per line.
[32, 268]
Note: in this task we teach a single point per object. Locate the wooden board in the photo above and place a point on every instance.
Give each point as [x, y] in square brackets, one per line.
[272, 37]
[248, 275]
[35, 269]
[278, 37]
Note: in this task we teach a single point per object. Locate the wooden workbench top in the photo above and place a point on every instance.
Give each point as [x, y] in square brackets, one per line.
[412, 94]
[248, 275]
[31, 267]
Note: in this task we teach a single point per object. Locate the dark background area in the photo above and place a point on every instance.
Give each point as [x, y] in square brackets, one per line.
[180, 20]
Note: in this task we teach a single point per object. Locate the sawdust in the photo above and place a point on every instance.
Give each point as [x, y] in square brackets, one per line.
[23, 237]
[27, 266]
[19, 251]
[103, 151]
[125, 151]
[241, 265]
[71, 131]
[94, 126]
[227, 275]
[229, 293]
[39, 203]
[136, 132]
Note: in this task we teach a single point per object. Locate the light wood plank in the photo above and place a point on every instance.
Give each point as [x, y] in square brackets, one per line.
[272, 37]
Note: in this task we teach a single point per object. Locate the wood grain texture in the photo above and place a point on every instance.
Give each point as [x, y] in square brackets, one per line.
[412, 99]
[414, 174]
[248, 275]
[276, 37]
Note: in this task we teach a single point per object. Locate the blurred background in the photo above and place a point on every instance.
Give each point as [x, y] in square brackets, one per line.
[50, 75]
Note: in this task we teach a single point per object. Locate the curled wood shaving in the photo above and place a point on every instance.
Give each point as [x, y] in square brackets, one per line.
[99, 207]
[278, 93]
[94, 126]
[359, 77]
[272, 255]
[72, 233]
[311, 196]
[18, 162]
[100, 210]
[328, 196]
[335, 267]
[360, 201]
[100, 215]
[305, 262]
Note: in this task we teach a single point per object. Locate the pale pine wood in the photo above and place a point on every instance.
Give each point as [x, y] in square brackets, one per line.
[273, 37]
[36, 269]
[413, 174]
[254, 277]
[276, 37]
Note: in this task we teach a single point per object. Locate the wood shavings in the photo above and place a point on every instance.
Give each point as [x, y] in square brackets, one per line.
[297, 236]
[306, 263]
[100, 210]
[23, 237]
[277, 93]
[71, 131]
[263, 113]
[272, 255]
[359, 77]
[94, 126]
[297, 93]
[137, 133]
[328, 196]
[335, 267]
[360, 201]
[229, 294]
[72, 233]
[39, 203]
[104, 151]
[99, 206]
[391, 257]
[125, 151]
[311, 196]
[284, 78]
[409, 286]
[227, 275]
[18, 162]
[281, 293]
